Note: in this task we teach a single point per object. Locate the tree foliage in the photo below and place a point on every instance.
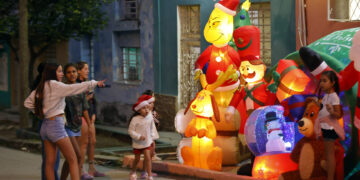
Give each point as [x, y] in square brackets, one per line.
[51, 21]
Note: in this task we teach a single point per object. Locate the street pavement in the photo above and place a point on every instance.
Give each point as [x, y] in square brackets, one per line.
[20, 165]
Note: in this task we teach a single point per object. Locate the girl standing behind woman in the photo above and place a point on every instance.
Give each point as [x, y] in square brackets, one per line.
[75, 106]
[141, 132]
[155, 124]
[329, 114]
[48, 102]
[88, 134]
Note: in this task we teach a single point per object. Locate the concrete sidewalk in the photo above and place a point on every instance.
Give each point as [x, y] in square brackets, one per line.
[170, 138]
[165, 147]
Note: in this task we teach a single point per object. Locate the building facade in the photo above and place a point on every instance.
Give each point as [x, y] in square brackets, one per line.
[121, 53]
[179, 40]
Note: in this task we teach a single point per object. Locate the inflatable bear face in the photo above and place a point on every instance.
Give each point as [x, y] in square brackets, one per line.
[306, 124]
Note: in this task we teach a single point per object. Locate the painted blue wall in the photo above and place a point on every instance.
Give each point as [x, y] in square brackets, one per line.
[165, 36]
[120, 96]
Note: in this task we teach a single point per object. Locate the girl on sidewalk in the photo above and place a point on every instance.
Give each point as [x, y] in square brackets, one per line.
[327, 121]
[36, 82]
[141, 132]
[75, 106]
[88, 133]
[48, 102]
[155, 124]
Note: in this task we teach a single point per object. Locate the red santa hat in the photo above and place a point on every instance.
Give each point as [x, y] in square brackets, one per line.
[142, 102]
[151, 99]
[228, 6]
[247, 40]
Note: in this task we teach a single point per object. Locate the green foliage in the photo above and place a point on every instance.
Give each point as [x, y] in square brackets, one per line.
[52, 21]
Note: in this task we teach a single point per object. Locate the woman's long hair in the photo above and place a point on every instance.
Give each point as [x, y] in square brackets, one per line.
[37, 80]
[49, 73]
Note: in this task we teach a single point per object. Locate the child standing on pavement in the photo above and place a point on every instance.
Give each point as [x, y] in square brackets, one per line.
[141, 132]
[48, 102]
[327, 121]
[155, 124]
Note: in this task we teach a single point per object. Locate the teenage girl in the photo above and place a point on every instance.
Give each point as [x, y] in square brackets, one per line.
[88, 135]
[36, 82]
[48, 102]
[329, 114]
[75, 105]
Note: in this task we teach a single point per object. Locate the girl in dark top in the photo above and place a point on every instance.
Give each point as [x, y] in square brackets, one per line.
[89, 135]
[75, 106]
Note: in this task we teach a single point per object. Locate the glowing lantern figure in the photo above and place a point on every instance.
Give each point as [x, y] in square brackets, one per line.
[219, 56]
[202, 154]
[255, 94]
[270, 139]
[241, 19]
[289, 80]
[211, 63]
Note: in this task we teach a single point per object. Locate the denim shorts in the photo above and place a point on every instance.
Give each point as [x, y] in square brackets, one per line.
[53, 130]
[71, 133]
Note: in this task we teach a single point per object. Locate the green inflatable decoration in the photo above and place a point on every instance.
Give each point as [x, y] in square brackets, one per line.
[241, 19]
[334, 50]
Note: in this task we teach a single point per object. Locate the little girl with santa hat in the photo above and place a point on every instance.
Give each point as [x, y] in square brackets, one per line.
[142, 133]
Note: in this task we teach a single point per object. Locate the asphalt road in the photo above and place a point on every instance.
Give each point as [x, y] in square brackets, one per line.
[20, 165]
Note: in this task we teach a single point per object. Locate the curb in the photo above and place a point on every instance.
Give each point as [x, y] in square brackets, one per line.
[25, 145]
[184, 170]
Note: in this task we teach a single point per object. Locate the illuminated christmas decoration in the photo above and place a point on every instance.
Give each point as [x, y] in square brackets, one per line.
[241, 19]
[267, 132]
[202, 152]
[271, 140]
[219, 56]
[255, 93]
[271, 166]
[211, 63]
[288, 80]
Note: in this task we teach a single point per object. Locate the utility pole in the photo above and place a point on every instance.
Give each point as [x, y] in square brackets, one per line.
[24, 56]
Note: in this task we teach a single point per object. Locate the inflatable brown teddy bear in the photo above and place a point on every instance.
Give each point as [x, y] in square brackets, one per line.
[308, 153]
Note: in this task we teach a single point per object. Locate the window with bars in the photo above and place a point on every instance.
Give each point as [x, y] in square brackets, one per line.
[260, 16]
[128, 68]
[130, 9]
[344, 10]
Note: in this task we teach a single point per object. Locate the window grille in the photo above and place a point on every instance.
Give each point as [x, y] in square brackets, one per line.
[260, 16]
[130, 68]
[343, 10]
[130, 9]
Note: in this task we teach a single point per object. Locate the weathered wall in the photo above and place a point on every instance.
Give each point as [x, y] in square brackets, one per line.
[115, 102]
[317, 21]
